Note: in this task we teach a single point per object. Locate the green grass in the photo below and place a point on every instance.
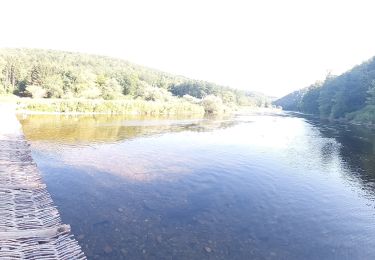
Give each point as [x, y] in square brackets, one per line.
[123, 106]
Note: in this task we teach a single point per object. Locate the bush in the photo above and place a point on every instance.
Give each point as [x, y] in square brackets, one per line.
[212, 105]
[191, 99]
[35, 91]
[364, 116]
[150, 93]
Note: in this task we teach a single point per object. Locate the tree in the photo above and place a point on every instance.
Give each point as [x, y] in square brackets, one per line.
[194, 89]
[36, 76]
[228, 97]
[54, 86]
[371, 93]
[345, 96]
[128, 83]
[111, 89]
[309, 103]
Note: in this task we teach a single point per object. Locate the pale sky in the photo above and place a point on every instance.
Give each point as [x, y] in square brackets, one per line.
[269, 46]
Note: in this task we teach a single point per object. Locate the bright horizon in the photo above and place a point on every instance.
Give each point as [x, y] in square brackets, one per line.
[273, 47]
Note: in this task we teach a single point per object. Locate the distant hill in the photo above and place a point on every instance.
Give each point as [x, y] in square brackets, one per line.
[350, 96]
[291, 101]
[57, 74]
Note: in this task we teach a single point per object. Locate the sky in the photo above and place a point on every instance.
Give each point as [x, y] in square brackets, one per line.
[273, 47]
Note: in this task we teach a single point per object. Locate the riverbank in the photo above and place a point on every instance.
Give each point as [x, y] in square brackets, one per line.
[97, 106]
[131, 107]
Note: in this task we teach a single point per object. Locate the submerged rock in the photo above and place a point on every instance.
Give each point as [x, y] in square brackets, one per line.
[108, 249]
[208, 249]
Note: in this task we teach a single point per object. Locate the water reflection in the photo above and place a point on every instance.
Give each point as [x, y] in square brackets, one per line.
[93, 142]
[356, 147]
[250, 187]
[73, 129]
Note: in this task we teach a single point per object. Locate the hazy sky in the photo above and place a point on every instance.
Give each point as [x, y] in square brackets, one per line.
[269, 46]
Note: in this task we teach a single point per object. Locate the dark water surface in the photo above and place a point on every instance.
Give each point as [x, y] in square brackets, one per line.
[248, 187]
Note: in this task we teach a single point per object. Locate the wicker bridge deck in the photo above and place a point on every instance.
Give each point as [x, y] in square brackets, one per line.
[30, 225]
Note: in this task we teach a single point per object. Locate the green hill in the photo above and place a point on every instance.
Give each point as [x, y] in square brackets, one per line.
[349, 96]
[65, 75]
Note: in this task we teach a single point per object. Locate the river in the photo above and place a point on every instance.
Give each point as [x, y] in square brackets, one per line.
[261, 186]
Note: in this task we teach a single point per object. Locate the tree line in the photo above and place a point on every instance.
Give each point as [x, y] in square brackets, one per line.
[349, 96]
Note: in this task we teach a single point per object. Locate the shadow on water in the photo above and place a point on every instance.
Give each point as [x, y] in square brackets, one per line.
[249, 187]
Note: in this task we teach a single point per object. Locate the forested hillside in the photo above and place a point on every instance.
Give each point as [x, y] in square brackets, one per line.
[348, 96]
[63, 75]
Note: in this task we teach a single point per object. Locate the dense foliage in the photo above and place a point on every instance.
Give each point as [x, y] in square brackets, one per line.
[55, 74]
[348, 96]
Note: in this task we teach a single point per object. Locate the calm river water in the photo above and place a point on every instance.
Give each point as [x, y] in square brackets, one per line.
[273, 186]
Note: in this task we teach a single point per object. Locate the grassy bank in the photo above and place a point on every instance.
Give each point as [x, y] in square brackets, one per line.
[210, 105]
[133, 107]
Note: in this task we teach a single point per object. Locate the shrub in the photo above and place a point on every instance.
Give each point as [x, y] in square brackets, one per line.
[212, 105]
[35, 91]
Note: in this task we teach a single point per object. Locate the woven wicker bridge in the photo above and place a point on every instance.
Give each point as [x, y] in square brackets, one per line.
[30, 225]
